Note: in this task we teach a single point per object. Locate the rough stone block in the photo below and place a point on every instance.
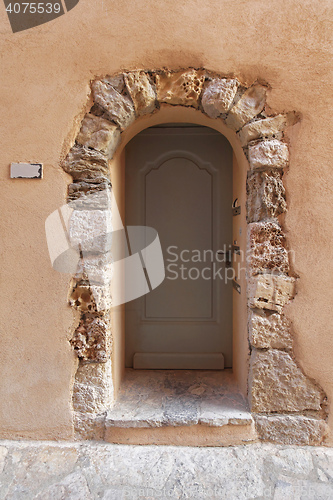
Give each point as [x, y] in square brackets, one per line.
[95, 269]
[93, 389]
[266, 196]
[276, 384]
[117, 82]
[90, 195]
[119, 108]
[92, 339]
[90, 298]
[269, 330]
[266, 248]
[83, 163]
[218, 96]
[91, 230]
[291, 430]
[99, 134]
[182, 88]
[269, 291]
[89, 426]
[249, 105]
[141, 91]
[271, 127]
[269, 154]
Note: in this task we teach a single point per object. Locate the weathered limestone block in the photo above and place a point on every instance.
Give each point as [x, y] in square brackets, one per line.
[291, 430]
[218, 96]
[269, 154]
[119, 108]
[269, 291]
[96, 269]
[249, 105]
[93, 388]
[92, 339]
[271, 127]
[90, 298]
[266, 248]
[182, 88]
[276, 384]
[89, 426]
[141, 91]
[117, 82]
[266, 195]
[90, 194]
[91, 230]
[99, 134]
[84, 163]
[269, 331]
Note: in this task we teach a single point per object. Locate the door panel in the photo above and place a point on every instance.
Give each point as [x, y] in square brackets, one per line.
[180, 299]
[179, 181]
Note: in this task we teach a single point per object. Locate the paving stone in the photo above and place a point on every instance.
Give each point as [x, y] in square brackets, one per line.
[66, 470]
[269, 154]
[218, 96]
[291, 429]
[266, 195]
[269, 330]
[249, 105]
[277, 384]
[99, 134]
[119, 108]
[141, 91]
[84, 163]
[296, 489]
[74, 486]
[269, 291]
[181, 88]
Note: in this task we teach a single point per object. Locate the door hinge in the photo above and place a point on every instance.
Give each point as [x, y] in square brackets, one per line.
[236, 286]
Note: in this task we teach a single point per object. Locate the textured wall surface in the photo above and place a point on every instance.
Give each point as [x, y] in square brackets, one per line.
[45, 78]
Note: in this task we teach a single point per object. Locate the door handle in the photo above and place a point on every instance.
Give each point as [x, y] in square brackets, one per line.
[227, 257]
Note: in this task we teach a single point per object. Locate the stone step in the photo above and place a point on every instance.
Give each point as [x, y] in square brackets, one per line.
[162, 398]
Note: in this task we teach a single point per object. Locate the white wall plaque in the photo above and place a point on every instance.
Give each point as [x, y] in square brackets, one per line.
[26, 170]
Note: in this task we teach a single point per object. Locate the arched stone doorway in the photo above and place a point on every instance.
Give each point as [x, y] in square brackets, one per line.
[286, 405]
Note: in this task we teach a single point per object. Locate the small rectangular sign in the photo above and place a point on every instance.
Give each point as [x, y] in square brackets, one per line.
[26, 170]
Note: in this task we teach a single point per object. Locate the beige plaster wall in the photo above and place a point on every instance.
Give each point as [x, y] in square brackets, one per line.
[45, 74]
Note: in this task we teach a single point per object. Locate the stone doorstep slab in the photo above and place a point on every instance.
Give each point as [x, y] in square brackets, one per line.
[172, 398]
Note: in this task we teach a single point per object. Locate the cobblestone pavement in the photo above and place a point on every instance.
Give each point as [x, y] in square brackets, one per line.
[90, 470]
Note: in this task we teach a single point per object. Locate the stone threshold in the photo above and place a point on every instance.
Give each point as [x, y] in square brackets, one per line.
[169, 406]
[156, 398]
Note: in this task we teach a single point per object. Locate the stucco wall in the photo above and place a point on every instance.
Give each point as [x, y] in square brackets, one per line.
[45, 74]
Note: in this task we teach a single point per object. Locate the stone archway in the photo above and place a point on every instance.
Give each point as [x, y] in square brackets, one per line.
[286, 405]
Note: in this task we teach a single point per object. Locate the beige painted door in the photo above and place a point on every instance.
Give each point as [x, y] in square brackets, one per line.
[179, 181]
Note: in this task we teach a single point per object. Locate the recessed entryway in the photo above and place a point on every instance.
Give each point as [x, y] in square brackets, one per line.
[179, 181]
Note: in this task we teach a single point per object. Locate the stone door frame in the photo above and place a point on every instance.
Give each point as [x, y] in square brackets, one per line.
[287, 406]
